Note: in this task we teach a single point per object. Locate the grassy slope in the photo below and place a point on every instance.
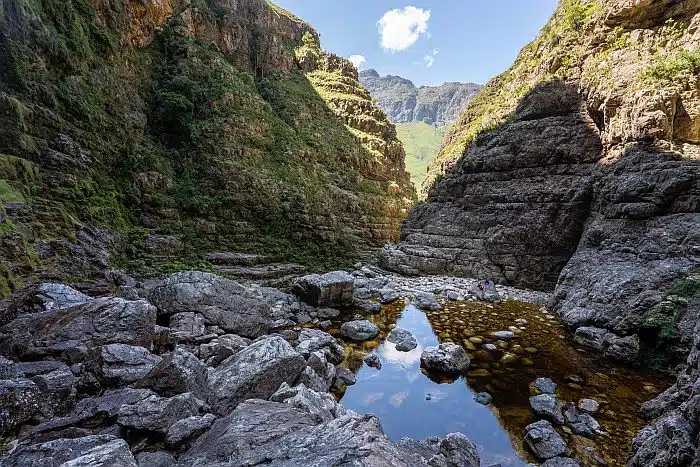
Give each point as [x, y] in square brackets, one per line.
[422, 143]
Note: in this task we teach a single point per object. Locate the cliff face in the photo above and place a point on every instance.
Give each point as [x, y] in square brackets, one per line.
[577, 171]
[403, 102]
[143, 134]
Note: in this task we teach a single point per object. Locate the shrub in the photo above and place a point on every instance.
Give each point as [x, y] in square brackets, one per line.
[669, 68]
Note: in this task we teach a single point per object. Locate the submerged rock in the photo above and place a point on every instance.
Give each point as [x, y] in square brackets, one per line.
[445, 358]
[547, 406]
[589, 405]
[483, 398]
[360, 330]
[544, 441]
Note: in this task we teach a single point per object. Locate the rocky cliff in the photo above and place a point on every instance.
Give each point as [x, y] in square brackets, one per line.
[577, 170]
[403, 102]
[143, 133]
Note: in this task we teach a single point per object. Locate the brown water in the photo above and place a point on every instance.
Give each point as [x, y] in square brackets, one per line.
[411, 403]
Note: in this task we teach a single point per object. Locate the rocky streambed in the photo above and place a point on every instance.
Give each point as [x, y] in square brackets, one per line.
[196, 369]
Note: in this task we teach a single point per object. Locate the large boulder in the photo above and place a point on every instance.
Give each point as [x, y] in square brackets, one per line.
[667, 441]
[624, 349]
[255, 372]
[121, 364]
[311, 340]
[177, 373]
[327, 290]
[69, 333]
[158, 414]
[188, 428]
[544, 441]
[360, 330]
[20, 401]
[547, 406]
[246, 311]
[321, 405]
[445, 358]
[89, 451]
[40, 297]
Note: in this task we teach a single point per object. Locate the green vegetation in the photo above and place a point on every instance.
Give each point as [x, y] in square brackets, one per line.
[422, 144]
[7, 193]
[668, 68]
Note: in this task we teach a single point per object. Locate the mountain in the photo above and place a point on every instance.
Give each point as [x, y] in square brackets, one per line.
[143, 135]
[403, 102]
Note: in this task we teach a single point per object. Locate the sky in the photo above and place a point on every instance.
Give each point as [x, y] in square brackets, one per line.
[426, 41]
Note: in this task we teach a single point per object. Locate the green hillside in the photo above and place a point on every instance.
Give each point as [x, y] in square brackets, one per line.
[422, 143]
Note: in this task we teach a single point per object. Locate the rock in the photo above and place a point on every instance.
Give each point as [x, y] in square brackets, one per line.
[20, 401]
[255, 372]
[367, 306]
[485, 291]
[544, 441]
[588, 405]
[220, 348]
[343, 378]
[187, 326]
[483, 398]
[279, 434]
[45, 296]
[445, 358]
[581, 423]
[504, 335]
[188, 428]
[387, 295]
[360, 330]
[330, 289]
[561, 462]
[58, 390]
[320, 405]
[69, 333]
[177, 373]
[158, 414]
[546, 386]
[547, 406]
[398, 334]
[426, 301]
[245, 311]
[624, 349]
[324, 371]
[121, 364]
[407, 345]
[667, 441]
[327, 313]
[490, 347]
[89, 451]
[458, 451]
[29, 369]
[311, 340]
[155, 459]
[372, 361]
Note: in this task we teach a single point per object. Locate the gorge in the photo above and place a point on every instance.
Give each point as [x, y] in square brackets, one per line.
[177, 179]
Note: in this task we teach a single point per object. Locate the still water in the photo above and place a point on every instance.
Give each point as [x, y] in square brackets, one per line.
[412, 403]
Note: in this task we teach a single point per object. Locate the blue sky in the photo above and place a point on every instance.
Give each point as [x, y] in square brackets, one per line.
[429, 41]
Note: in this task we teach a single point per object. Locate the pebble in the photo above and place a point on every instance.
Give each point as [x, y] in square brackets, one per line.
[588, 405]
[508, 358]
[490, 347]
[475, 340]
[503, 335]
[483, 398]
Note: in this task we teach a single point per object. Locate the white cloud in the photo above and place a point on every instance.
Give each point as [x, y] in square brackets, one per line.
[357, 60]
[400, 29]
[429, 59]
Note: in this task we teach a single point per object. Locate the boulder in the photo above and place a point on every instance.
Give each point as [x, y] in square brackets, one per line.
[327, 290]
[344, 378]
[311, 340]
[398, 334]
[69, 333]
[625, 349]
[544, 441]
[29, 369]
[545, 386]
[155, 459]
[458, 451]
[426, 301]
[486, 291]
[20, 401]
[318, 374]
[58, 389]
[121, 364]
[373, 361]
[407, 345]
[177, 373]
[367, 306]
[581, 423]
[220, 348]
[320, 405]
[255, 372]
[547, 406]
[89, 451]
[158, 414]
[667, 441]
[42, 297]
[360, 330]
[588, 405]
[188, 428]
[445, 358]
[387, 295]
[187, 326]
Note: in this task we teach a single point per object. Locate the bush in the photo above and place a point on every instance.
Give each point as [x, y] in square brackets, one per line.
[670, 67]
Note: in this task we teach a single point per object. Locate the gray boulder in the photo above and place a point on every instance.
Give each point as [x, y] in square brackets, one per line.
[158, 414]
[547, 406]
[220, 348]
[624, 349]
[360, 330]
[187, 326]
[367, 306]
[255, 372]
[177, 373]
[398, 334]
[344, 378]
[155, 459]
[545, 386]
[387, 295]
[121, 364]
[588, 405]
[327, 290]
[667, 441]
[89, 451]
[456, 451]
[373, 361]
[407, 345]
[44, 297]
[445, 358]
[188, 428]
[426, 301]
[544, 441]
[20, 401]
[319, 373]
[69, 333]
[320, 405]
[581, 423]
[58, 389]
[311, 340]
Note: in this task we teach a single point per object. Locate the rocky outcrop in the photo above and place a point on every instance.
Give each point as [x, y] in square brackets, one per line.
[404, 102]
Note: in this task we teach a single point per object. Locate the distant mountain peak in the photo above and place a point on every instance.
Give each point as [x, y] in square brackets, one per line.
[369, 73]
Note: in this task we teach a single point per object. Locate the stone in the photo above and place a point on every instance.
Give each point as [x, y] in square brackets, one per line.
[547, 406]
[359, 330]
[407, 345]
[311, 340]
[155, 459]
[581, 423]
[327, 290]
[187, 326]
[445, 358]
[29, 369]
[490, 347]
[343, 378]
[69, 333]
[458, 451]
[158, 414]
[504, 335]
[188, 428]
[398, 334]
[668, 440]
[255, 372]
[546, 386]
[121, 364]
[561, 462]
[486, 291]
[588, 405]
[372, 361]
[387, 295]
[320, 405]
[544, 441]
[220, 348]
[612, 346]
[89, 451]
[58, 390]
[426, 301]
[319, 374]
[179, 372]
[45, 296]
[20, 401]
[483, 398]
